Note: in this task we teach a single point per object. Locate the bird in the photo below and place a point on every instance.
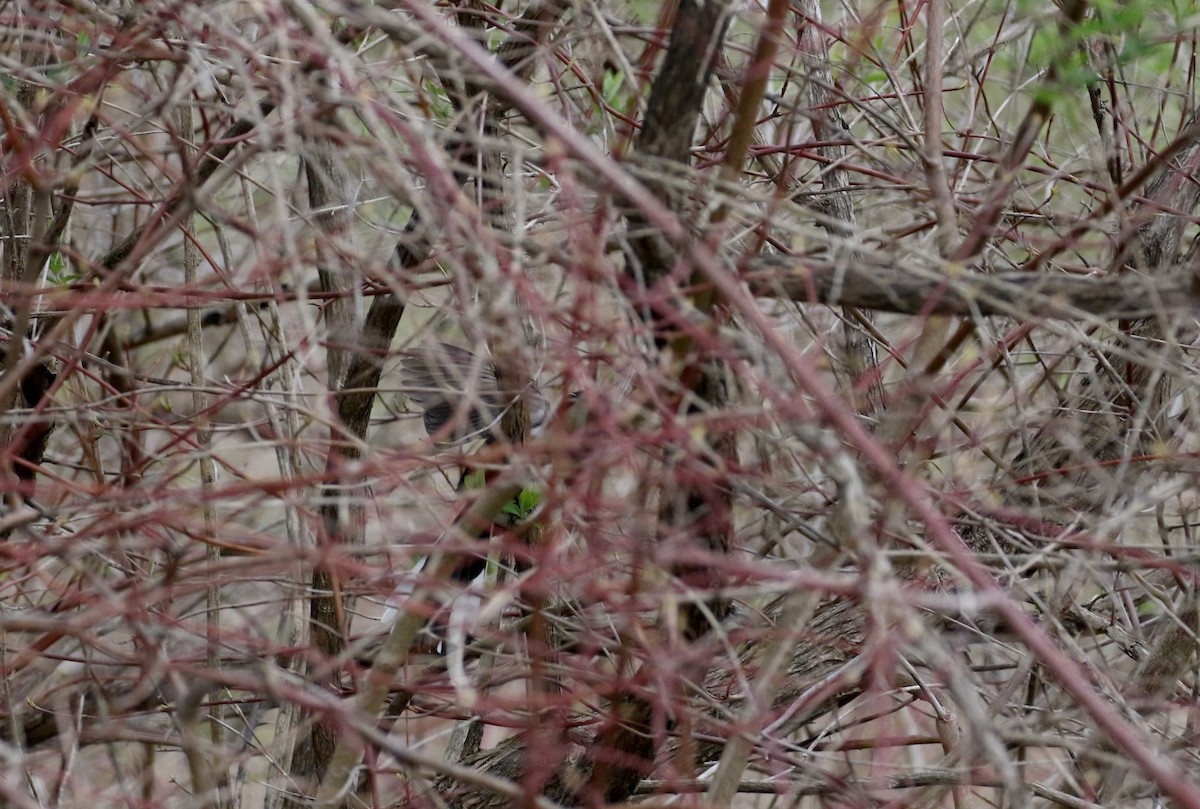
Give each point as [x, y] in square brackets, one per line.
[461, 401]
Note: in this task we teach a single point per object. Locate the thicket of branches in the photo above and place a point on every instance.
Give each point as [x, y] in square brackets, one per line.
[841, 356]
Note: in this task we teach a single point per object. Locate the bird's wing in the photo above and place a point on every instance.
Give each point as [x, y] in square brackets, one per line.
[459, 394]
[453, 387]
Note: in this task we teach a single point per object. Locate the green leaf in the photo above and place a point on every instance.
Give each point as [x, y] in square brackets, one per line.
[524, 505]
[57, 273]
[529, 499]
[611, 86]
[474, 480]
